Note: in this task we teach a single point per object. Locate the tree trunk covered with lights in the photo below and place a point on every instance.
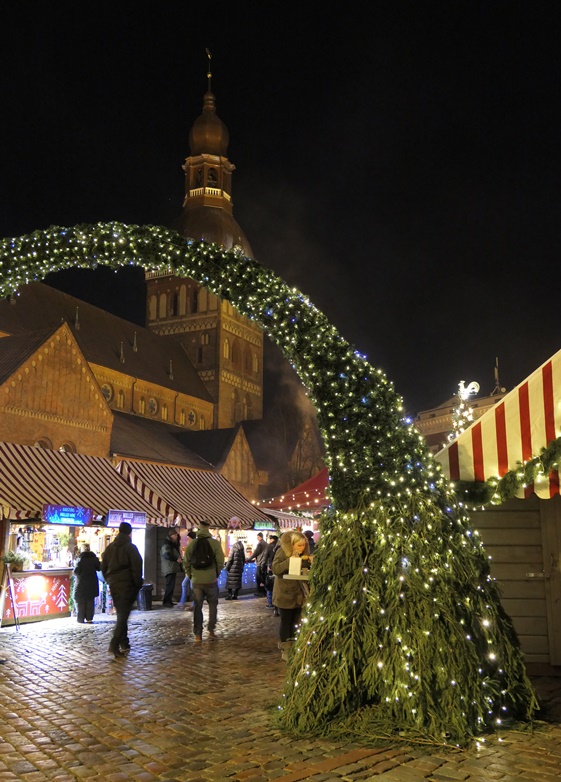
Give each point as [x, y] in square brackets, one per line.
[404, 633]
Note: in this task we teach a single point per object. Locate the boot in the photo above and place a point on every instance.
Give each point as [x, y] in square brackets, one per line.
[235, 595]
[229, 595]
[285, 649]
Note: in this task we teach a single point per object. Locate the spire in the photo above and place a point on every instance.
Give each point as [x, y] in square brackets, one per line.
[77, 320]
[134, 345]
[122, 356]
[209, 74]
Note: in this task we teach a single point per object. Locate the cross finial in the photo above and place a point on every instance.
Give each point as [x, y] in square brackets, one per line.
[209, 73]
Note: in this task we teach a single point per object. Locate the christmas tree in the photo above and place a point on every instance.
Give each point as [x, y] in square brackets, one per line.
[404, 633]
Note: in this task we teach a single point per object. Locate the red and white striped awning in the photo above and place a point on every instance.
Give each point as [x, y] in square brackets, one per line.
[190, 495]
[515, 430]
[32, 477]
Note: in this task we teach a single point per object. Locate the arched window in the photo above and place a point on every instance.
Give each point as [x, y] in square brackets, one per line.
[121, 400]
[163, 305]
[212, 301]
[202, 422]
[142, 405]
[164, 412]
[255, 363]
[174, 304]
[183, 418]
[248, 359]
[182, 300]
[45, 443]
[212, 178]
[226, 348]
[195, 300]
[236, 355]
[202, 303]
[67, 448]
[204, 338]
[152, 307]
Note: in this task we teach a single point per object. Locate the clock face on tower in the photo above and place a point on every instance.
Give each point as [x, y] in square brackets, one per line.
[152, 405]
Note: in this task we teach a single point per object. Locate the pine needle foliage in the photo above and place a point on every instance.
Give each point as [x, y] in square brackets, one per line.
[404, 633]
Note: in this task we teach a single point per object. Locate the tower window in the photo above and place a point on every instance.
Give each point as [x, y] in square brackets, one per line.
[120, 400]
[226, 348]
[163, 305]
[212, 178]
[164, 412]
[152, 307]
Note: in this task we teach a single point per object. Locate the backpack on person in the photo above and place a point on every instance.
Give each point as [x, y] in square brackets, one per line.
[202, 554]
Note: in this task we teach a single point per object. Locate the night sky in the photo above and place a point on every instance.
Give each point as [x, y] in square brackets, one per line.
[398, 162]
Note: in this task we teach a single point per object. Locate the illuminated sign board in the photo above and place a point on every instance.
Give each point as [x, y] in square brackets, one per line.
[136, 519]
[264, 525]
[70, 516]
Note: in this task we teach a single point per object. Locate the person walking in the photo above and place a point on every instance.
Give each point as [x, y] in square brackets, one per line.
[259, 556]
[121, 565]
[289, 595]
[235, 566]
[86, 584]
[186, 602]
[170, 556]
[203, 561]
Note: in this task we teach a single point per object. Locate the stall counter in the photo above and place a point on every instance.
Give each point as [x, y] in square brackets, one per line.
[39, 594]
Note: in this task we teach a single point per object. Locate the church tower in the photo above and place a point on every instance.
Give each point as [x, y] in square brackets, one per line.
[226, 348]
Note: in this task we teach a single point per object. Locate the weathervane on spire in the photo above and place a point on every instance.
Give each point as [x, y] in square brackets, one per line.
[209, 74]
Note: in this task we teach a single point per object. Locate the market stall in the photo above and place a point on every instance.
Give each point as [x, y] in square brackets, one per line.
[52, 503]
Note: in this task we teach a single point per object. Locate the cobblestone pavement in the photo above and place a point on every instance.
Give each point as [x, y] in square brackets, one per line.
[174, 710]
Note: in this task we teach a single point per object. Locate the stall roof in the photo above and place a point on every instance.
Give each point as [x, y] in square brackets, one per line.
[526, 420]
[31, 477]
[286, 520]
[192, 495]
[308, 496]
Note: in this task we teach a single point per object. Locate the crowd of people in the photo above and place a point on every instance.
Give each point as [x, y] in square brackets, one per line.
[201, 563]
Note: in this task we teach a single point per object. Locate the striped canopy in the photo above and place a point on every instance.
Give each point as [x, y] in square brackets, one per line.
[189, 496]
[32, 477]
[514, 431]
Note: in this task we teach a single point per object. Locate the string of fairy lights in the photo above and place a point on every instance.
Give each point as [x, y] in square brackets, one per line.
[404, 633]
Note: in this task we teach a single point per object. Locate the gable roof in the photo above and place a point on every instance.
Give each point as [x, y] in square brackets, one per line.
[14, 351]
[101, 336]
[213, 445]
[135, 437]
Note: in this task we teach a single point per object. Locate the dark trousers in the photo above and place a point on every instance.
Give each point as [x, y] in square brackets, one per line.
[260, 576]
[170, 586]
[85, 609]
[123, 606]
[200, 591]
[289, 619]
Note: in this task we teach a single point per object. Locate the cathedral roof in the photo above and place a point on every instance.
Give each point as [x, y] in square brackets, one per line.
[104, 339]
[134, 437]
[214, 445]
[212, 224]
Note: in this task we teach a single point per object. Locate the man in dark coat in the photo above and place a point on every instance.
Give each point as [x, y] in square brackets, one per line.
[86, 584]
[121, 565]
[171, 565]
[260, 557]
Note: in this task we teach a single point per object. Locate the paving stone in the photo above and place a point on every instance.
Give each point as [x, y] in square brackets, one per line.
[131, 720]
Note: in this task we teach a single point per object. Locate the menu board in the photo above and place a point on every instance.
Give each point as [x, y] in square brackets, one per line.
[70, 516]
[136, 519]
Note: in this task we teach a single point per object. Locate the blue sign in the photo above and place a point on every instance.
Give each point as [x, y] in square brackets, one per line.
[68, 515]
[136, 519]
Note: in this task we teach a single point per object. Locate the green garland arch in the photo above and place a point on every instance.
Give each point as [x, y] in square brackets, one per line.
[404, 633]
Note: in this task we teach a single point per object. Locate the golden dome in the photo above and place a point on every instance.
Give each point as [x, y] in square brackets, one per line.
[209, 135]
